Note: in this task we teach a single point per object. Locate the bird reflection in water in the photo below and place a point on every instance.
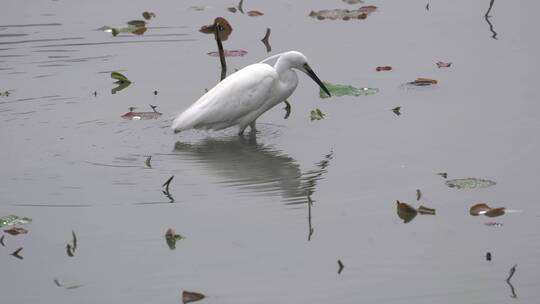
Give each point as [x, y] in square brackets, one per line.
[249, 166]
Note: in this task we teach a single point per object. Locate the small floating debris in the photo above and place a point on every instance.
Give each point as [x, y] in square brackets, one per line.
[316, 114]
[469, 183]
[441, 64]
[493, 224]
[343, 14]
[16, 231]
[341, 266]
[131, 115]
[422, 82]
[254, 13]
[418, 194]
[229, 53]
[72, 246]
[2, 240]
[16, 254]
[232, 9]
[190, 296]
[171, 238]
[10, 220]
[488, 256]
[396, 110]
[443, 174]
[383, 68]
[353, 1]
[346, 90]
[147, 161]
[199, 8]
[5, 93]
[148, 15]
[484, 209]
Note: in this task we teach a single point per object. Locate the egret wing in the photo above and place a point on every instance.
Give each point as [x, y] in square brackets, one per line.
[238, 95]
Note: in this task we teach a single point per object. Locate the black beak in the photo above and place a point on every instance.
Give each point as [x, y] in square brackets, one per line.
[316, 79]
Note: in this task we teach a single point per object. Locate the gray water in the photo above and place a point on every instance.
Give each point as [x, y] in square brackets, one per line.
[70, 162]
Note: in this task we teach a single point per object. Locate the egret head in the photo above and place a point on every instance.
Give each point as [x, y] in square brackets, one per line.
[299, 61]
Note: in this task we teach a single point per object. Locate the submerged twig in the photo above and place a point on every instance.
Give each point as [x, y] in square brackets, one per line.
[153, 108]
[487, 16]
[310, 202]
[287, 109]
[266, 42]
[341, 266]
[166, 191]
[418, 194]
[218, 27]
[512, 271]
[71, 247]
[240, 6]
[167, 183]
[2, 240]
[16, 254]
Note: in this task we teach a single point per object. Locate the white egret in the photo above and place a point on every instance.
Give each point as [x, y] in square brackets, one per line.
[241, 98]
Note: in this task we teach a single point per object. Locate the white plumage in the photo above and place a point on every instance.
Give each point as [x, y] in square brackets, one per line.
[242, 97]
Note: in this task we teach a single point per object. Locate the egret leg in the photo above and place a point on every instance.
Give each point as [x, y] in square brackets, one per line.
[241, 131]
[252, 127]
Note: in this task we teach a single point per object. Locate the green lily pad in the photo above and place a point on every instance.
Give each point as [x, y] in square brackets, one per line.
[10, 220]
[136, 27]
[120, 77]
[171, 237]
[469, 183]
[346, 90]
[317, 115]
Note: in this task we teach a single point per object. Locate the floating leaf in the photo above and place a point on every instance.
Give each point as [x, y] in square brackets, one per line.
[317, 114]
[495, 212]
[199, 8]
[224, 28]
[190, 296]
[120, 77]
[229, 53]
[426, 210]
[142, 115]
[486, 210]
[441, 64]
[16, 231]
[469, 183]
[406, 212]
[137, 27]
[254, 13]
[120, 87]
[343, 14]
[479, 209]
[148, 15]
[10, 220]
[345, 90]
[171, 237]
[383, 68]
[422, 82]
